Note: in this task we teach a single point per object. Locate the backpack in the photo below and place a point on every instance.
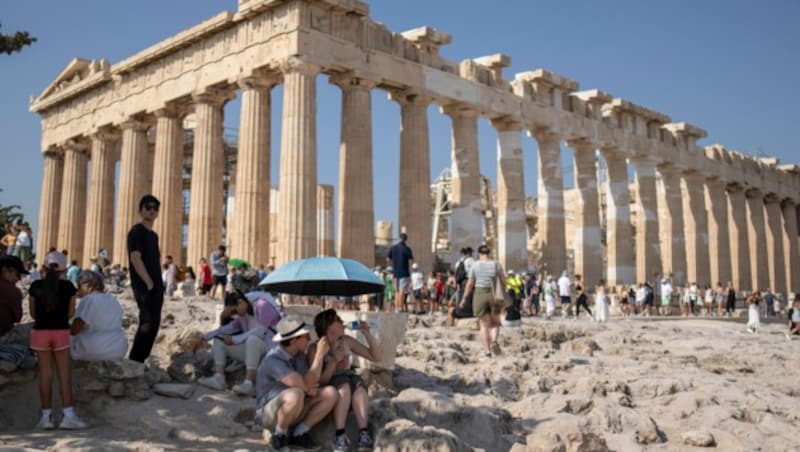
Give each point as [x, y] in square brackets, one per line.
[461, 272]
[180, 275]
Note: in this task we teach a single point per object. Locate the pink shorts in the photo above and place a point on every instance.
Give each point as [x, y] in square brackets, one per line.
[45, 340]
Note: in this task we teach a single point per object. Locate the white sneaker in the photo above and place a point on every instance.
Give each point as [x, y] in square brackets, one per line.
[46, 423]
[216, 381]
[72, 423]
[244, 388]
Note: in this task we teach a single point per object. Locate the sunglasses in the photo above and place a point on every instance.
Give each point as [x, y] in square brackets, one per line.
[153, 207]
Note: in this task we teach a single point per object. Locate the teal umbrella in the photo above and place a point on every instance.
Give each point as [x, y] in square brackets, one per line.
[323, 276]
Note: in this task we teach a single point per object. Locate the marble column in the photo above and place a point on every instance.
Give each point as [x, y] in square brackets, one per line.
[670, 207]
[551, 229]
[588, 243]
[759, 270]
[168, 183]
[132, 185]
[790, 244]
[739, 239]
[100, 209]
[72, 218]
[696, 223]
[250, 231]
[415, 212]
[208, 168]
[466, 220]
[297, 218]
[648, 247]
[619, 249]
[50, 202]
[325, 222]
[356, 218]
[512, 250]
[776, 262]
[718, 237]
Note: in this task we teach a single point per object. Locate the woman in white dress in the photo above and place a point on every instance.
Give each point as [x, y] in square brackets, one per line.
[549, 297]
[97, 332]
[753, 316]
[601, 302]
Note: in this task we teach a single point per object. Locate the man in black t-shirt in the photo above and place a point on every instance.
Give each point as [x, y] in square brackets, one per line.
[145, 265]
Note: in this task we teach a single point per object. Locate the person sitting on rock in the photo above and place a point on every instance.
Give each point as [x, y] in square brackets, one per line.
[288, 394]
[97, 332]
[794, 319]
[11, 269]
[351, 388]
[243, 340]
[51, 304]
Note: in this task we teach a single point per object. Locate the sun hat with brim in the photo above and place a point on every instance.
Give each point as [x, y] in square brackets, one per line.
[57, 260]
[289, 328]
[13, 262]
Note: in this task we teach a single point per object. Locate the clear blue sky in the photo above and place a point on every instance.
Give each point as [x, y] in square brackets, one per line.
[728, 66]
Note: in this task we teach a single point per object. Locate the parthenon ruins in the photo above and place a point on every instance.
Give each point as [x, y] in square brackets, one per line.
[705, 214]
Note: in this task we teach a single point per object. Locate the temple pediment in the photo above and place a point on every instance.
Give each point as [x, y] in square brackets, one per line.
[78, 70]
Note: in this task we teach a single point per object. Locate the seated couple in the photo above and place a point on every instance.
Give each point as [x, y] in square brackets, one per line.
[242, 337]
[300, 382]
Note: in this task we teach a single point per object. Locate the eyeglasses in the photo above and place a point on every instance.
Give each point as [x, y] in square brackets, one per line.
[153, 207]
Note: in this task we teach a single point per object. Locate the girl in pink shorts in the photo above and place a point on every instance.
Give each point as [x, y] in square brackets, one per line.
[52, 304]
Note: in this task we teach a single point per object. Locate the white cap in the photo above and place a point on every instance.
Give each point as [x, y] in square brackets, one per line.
[57, 259]
[414, 266]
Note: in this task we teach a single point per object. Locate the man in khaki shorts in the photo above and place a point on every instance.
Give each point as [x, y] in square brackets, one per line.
[287, 387]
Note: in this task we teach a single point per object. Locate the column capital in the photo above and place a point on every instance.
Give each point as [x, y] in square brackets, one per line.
[734, 187]
[788, 203]
[583, 145]
[459, 110]
[54, 152]
[542, 134]
[298, 65]
[612, 153]
[352, 80]
[215, 97]
[171, 110]
[692, 175]
[136, 124]
[505, 124]
[753, 192]
[409, 97]
[771, 198]
[107, 134]
[76, 145]
[645, 160]
[716, 182]
[263, 81]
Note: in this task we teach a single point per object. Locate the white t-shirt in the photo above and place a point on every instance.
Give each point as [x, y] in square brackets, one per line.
[103, 338]
[563, 286]
[641, 294]
[417, 280]
[666, 290]
[23, 239]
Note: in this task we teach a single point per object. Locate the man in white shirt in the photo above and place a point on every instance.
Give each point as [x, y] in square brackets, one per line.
[564, 291]
[666, 296]
[23, 250]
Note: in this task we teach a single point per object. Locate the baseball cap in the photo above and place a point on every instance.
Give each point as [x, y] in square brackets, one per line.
[57, 260]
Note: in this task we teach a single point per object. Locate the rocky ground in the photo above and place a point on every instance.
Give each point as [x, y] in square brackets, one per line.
[565, 385]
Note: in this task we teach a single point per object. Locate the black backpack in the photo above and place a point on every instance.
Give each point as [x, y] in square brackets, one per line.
[461, 272]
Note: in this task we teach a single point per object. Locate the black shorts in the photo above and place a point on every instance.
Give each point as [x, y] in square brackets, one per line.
[220, 279]
[348, 378]
[418, 294]
[565, 300]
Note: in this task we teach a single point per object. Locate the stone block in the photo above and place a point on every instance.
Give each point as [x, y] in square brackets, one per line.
[116, 389]
[120, 369]
[389, 330]
[178, 390]
[470, 324]
[699, 439]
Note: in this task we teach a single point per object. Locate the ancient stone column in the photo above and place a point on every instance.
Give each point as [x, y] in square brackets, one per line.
[790, 244]
[250, 232]
[325, 222]
[72, 218]
[512, 252]
[670, 207]
[132, 185]
[384, 236]
[415, 212]
[356, 219]
[588, 244]
[551, 229]
[297, 218]
[466, 222]
[619, 249]
[776, 262]
[758, 240]
[50, 203]
[696, 223]
[718, 237]
[739, 238]
[208, 166]
[168, 183]
[100, 209]
[648, 247]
